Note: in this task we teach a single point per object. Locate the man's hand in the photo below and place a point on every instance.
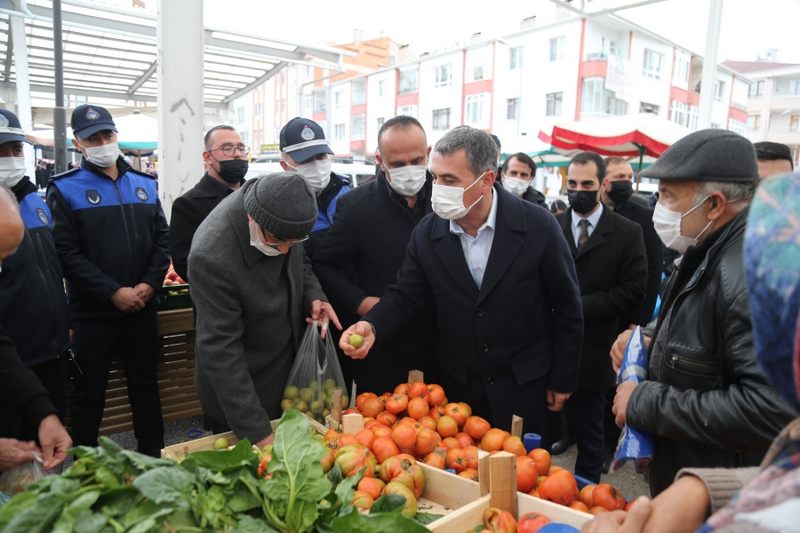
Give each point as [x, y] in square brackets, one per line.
[682, 507]
[621, 521]
[624, 391]
[324, 313]
[618, 348]
[556, 400]
[145, 292]
[265, 441]
[127, 300]
[14, 453]
[55, 441]
[364, 329]
[366, 305]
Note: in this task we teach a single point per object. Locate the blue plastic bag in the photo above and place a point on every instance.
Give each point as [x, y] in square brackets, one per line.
[634, 445]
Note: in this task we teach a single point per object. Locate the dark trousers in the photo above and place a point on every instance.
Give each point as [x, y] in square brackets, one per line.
[51, 374]
[584, 413]
[136, 338]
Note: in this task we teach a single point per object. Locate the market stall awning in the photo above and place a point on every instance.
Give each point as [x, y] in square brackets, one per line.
[624, 136]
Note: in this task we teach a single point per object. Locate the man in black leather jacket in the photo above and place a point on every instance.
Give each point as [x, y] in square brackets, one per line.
[706, 401]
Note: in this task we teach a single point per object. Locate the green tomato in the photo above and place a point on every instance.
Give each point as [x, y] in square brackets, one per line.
[221, 444]
[306, 394]
[290, 393]
[286, 404]
[355, 340]
[329, 385]
[317, 406]
[301, 406]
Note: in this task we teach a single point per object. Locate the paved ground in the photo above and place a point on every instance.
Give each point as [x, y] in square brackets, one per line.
[627, 480]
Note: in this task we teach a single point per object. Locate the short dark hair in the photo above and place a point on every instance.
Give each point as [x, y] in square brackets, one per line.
[212, 130]
[400, 120]
[615, 160]
[772, 151]
[522, 157]
[584, 158]
[480, 149]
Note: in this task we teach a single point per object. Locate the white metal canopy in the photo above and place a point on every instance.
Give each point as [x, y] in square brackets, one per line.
[111, 53]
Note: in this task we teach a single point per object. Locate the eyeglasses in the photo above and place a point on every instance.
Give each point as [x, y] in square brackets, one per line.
[231, 149]
[277, 243]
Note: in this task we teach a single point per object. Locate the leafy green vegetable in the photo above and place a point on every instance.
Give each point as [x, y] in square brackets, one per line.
[426, 518]
[166, 484]
[355, 522]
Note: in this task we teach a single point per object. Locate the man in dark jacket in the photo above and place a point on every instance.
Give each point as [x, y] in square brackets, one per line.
[25, 406]
[706, 400]
[33, 306]
[516, 176]
[498, 274]
[612, 272]
[113, 242]
[369, 236]
[225, 161]
[305, 150]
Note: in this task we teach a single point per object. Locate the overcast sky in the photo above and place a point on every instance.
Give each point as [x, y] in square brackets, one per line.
[749, 27]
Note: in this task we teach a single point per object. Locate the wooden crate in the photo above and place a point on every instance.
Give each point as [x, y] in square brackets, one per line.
[503, 495]
[175, 377]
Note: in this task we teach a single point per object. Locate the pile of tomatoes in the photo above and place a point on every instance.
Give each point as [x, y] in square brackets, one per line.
[417, 421]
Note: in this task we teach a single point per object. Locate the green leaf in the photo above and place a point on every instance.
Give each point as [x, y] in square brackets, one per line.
[388, 503]
[66, 522]
[118, 502]
[355, 522]
[298, 482]
[36, 518]
[166, 485]
[248, 524]
[223, 460]
[105, 477]
[16, 505]
[145, 462]
[242, 499]
[335, 475]
[146, 512]
[89, 522]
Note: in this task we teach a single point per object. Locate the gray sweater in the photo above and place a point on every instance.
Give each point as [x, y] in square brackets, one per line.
[250, 319]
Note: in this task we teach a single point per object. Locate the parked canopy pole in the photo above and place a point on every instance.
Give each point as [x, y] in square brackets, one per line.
[710, 63]
[59, 113]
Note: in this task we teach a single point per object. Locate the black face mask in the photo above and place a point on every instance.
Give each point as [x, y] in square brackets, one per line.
[620, 191]
[233, 170]
[582, 201]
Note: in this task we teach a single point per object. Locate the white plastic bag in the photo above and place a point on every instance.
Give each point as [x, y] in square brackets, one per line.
[17, 479]
[315, 375]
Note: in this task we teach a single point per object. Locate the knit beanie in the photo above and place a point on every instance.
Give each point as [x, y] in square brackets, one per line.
[281, 204]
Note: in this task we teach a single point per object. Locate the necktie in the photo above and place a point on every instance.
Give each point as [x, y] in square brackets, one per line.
[583, 236]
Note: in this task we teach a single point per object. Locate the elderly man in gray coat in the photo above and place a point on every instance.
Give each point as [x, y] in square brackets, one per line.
[251, 287]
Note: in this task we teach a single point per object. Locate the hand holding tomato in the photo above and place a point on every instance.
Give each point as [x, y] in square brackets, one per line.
[621, 521]
[624, 391]
[363, 329]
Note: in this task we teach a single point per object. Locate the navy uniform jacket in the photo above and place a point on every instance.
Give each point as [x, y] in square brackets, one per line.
[33, 306]
[526, 316]
[109, 234]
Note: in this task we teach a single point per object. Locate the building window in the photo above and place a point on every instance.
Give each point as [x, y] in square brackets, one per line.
[737, 127]
[359, 92]
[408, 81]
[308, 103]
[444, 75]
[407, 110]
[557, 48]
[794, 87]
[794, 122]
[257, 110]
[477, 73]
[644, 107]
[441, 119]
[338, 132]
[653, 61]
[381, 87]
[380, 122]
[244, 136]
[240, 114]
[512, 109]
[754, 122]
[719, 90]
[515, 58]
[554, 104]
[684, 114]
[596, 99]
[338, 99]
[357, 128]
[476, 107]
[682, 70]
[757, 89]
[321, 100]
[614, 49]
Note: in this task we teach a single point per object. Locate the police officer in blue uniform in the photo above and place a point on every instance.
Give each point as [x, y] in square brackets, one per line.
[113, 242]
[33, 306]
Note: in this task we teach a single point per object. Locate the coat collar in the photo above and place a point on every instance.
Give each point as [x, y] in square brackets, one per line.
[604, 226]
[208, 187]
[509, 234]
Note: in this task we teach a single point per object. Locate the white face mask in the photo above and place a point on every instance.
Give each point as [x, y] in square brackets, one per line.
[255, 242]
[12, 170]
[317, 173]
[515, 186]
[667, 224]
[408, 180]
[103, 156]
[448, 202]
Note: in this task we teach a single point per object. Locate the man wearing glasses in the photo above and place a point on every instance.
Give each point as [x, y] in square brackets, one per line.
[113, 243]
[252, 289]
[225, 162]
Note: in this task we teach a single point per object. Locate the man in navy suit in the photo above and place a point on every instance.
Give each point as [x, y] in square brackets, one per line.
[499, 276]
